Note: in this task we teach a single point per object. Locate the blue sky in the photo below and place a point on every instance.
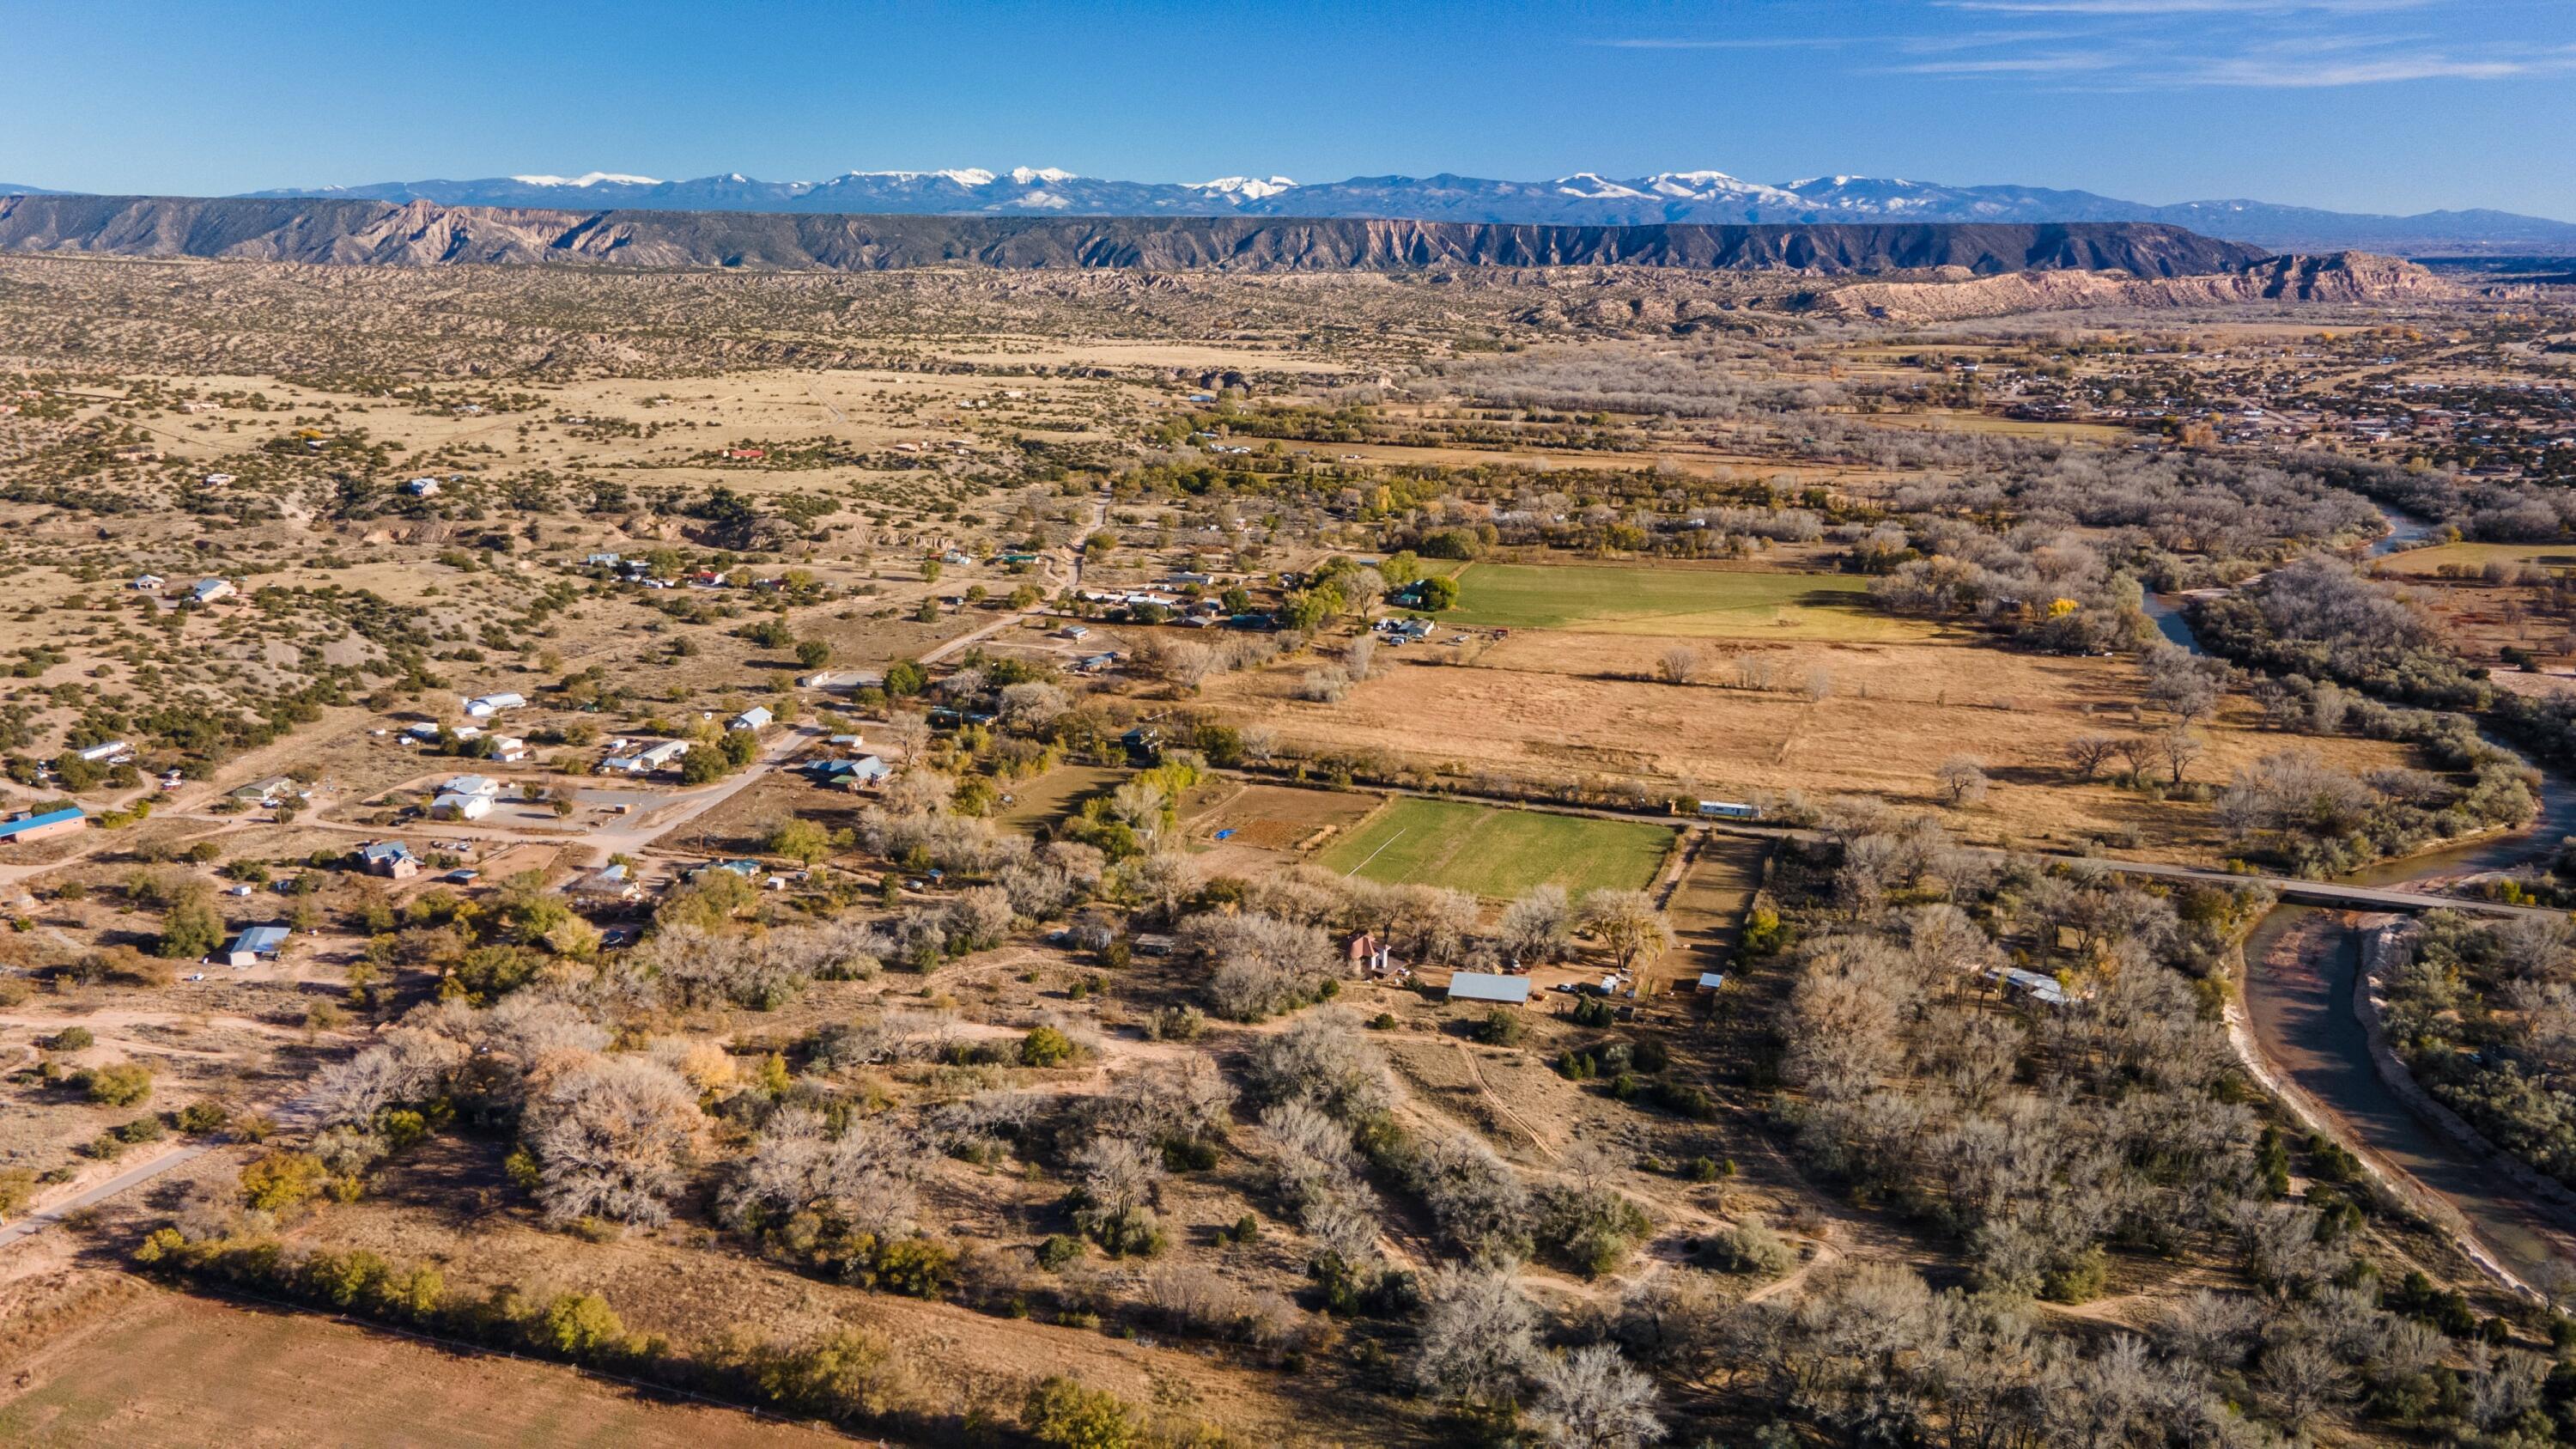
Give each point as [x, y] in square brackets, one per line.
[2380, 105]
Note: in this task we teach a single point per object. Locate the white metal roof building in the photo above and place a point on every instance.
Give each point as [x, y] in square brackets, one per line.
[1488, 986]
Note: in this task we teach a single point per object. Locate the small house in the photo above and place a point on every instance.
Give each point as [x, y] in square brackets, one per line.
[755, 718]
[510, 749]
[147, 583]
[615, 883]
[422, 488]
[256, 944]
[1728, 810]
[33, 825]
[483, 785]
[209, 591]
[486, 706]
[1369, 956]
[660, 757]
[1489, 986]
[602, 560]
[113, 752]
[389, 858]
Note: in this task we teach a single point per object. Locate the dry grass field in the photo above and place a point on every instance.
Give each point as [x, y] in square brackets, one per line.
[1270, 826]
[165, 1370]
[1547, 705]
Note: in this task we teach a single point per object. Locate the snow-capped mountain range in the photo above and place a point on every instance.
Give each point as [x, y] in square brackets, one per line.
[1582, 199]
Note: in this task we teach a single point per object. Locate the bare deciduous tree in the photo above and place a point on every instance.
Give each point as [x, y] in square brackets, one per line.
[609, 1136]
[1591, 1399]
[1963, 779]
[1628, 923]
[2090, 753]
[1478, 1336]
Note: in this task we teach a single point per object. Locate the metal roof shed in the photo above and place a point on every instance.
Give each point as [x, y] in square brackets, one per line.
[1488, 986]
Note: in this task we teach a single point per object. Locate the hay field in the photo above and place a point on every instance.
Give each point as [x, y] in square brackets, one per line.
[1498, 854]
[1688, 603]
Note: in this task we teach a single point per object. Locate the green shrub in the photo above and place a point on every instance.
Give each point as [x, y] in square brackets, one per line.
[2079, 1279]
[123, 1084]
[1064, 1415]
[581, 1326]
[1045, 1046]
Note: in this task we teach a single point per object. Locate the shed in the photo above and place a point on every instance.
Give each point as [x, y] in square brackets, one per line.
[267, 787]
[255, 944]
[1488, 986]
[1711, 980]
[756, 717]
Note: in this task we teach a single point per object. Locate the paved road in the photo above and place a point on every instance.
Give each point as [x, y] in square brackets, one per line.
[132, 1177]
[295, 1113]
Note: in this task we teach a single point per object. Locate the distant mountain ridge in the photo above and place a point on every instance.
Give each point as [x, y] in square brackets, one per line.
[1583, 199]
[425, 233]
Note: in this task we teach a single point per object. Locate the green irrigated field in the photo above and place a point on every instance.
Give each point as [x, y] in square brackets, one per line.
[1684, 602]
[1498, 853]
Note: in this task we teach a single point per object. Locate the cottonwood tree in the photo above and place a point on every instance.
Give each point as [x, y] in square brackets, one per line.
[609, 1136]
[1681, 664]
[1358, 656]
[863, 1177]
[1260, 965]
[1538, 926]
[2090, 753]
[1324, 1058]
[1628, 923]
[1963, 779]
[2180, 747]
[1591, 1399]
[1478, 1336]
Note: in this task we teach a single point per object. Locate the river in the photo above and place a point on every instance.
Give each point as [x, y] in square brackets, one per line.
[2299, 1007]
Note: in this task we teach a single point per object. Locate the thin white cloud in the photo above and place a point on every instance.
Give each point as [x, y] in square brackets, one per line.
[2291, 72]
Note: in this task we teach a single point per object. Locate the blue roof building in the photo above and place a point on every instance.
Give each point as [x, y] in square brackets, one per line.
[42, 824]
